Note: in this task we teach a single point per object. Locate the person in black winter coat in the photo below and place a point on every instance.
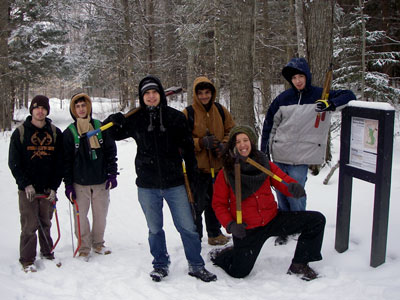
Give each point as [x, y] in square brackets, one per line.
[163, 139]
[90, 171]
[35, 160]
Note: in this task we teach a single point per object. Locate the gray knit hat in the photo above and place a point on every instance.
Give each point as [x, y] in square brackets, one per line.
[249, 131]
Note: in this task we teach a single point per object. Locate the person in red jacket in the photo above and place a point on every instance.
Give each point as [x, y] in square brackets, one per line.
[261, 217]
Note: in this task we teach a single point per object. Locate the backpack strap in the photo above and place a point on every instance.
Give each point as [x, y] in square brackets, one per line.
[97, 125]
[72, 128]
[75, 134]
[190, 112]
[221, 111]
[21, 129]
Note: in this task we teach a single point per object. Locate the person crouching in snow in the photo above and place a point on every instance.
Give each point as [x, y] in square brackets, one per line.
[261, 218]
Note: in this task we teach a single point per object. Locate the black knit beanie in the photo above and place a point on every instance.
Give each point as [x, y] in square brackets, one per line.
[40, 100]
[149, 85]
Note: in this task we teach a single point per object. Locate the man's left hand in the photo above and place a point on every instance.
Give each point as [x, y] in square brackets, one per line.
[324, 105]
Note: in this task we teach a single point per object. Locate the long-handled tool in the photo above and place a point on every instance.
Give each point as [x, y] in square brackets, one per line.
[238, 191]
[324, 96]
[189, 191]
[263, 169]
[79, 228]
[58, 226]
[168, 92]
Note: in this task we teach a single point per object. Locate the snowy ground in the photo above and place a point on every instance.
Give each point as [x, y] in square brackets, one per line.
[124, 273]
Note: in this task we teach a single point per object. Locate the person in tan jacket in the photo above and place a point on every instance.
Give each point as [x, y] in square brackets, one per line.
[210, 123]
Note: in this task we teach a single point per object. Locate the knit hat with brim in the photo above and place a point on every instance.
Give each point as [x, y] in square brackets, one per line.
[246, 130]
[40, 100]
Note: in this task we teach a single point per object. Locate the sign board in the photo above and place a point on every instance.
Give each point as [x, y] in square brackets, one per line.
[366, 150]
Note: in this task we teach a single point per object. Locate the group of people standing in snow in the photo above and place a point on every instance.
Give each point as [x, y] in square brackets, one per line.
[204, 137]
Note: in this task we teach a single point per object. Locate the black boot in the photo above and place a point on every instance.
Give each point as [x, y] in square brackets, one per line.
[213, 254]
[202, 274]
[281, 240]
[158, 274]
[303, 270]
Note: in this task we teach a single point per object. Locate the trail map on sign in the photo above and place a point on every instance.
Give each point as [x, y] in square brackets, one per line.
[364, 143]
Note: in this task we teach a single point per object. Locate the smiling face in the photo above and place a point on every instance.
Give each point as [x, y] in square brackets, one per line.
[151, 98]
[243, 144]
[299, 81]
[204, 96]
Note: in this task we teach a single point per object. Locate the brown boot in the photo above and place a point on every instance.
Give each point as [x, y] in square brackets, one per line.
[218, 241]
[303, 270]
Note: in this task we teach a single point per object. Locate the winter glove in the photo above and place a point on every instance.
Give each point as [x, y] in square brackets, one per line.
[219, 149]
[52, 195]
[237, 230]
[30, 192]
[208, 142]
[324, 105]
[296, 190]
[118, 119]
[70, 193]
[111, 181]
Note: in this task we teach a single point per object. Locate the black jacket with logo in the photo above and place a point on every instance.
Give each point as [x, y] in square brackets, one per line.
[38, 160]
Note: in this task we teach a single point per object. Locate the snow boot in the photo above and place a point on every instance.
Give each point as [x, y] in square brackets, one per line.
[28, 267]
[281, 240]
[303, 271]
[158, 274]
[218, 240]
[215, 253]
[102, 250]
[202, 274]
[49, 256]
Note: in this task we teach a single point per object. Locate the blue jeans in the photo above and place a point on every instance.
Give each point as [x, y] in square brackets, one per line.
[299, 173]
[151, 201]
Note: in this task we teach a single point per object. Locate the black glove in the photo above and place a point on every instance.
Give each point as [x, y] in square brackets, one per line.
[219, 149]
[237, 230]
[324, 105]
[209, 142]
[118, 119]
[296, 190]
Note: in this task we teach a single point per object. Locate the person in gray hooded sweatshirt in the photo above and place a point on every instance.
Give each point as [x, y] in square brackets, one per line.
[289, 133]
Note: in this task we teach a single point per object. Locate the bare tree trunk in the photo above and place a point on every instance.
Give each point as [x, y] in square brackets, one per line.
[318, 16]
[150, 35]
[241, 89]
[5, 117]
[318, 23]
[300, 30]
[190, 70]
[361, 3]
[218, 52]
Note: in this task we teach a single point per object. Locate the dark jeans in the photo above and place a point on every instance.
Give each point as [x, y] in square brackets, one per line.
[203, 197]
[31, 213]
[239, 261]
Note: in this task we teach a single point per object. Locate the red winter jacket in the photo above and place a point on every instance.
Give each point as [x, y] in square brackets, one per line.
[258, 209]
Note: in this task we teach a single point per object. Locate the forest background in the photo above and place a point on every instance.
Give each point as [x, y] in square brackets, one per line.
[104, 47]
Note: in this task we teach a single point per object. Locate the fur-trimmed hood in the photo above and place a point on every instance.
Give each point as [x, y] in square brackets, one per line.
[75, 98]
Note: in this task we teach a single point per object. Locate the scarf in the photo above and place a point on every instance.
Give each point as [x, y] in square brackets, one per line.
[84, 126]
[251, 177]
